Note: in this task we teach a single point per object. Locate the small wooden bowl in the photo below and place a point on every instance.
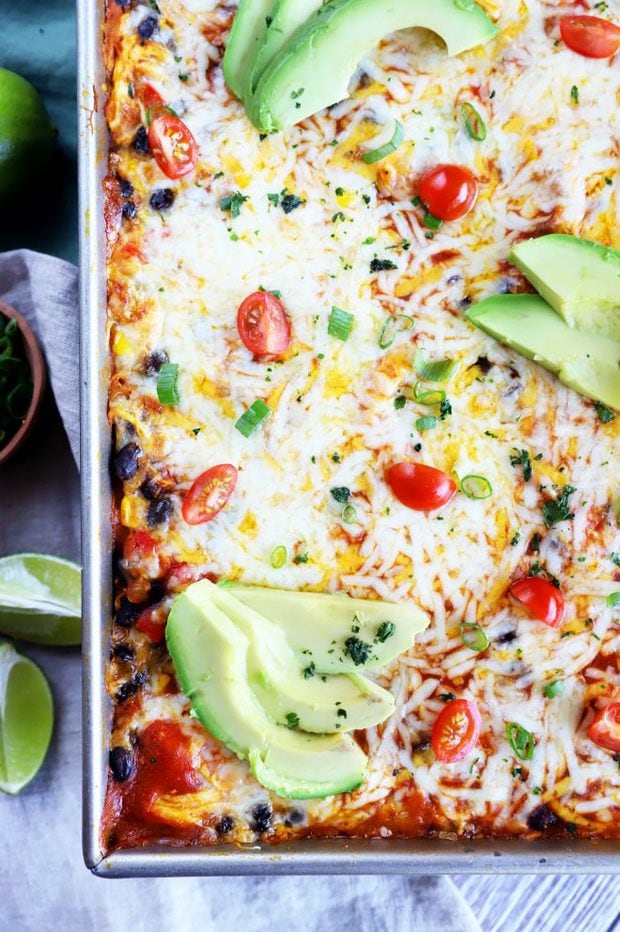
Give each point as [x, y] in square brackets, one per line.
[36, 362]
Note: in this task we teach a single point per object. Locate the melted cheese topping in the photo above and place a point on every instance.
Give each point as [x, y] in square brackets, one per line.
[177, 278]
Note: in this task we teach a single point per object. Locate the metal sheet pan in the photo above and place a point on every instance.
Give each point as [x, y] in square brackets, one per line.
[338, 856]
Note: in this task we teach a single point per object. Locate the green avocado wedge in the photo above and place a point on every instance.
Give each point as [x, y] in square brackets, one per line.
[578, 278]
[314, 68]
[317, 626]
[323, 705]
[286, 17]
[210, 654]
[587, 361]
[247, 29]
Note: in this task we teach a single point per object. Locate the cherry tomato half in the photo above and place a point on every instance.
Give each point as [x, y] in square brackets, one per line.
[263, 324]
[605, 729]
[541, 598]
[590, 36]
[448, 191]
[150, 97]
[209, 493]
[456, 731]
[174, 148]
[420, 487]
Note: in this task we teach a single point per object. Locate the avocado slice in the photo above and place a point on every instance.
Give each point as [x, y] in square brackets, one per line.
[586, 361]
[286, 17]
[314, 68]
[321, 705]
[247, 29]
[317, 627]
[210, 655]
[579, 279]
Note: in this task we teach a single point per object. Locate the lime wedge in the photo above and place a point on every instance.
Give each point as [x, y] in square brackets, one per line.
[40, 599]
[26, 719]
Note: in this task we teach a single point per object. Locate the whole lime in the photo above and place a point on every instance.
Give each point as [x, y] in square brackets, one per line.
[26, 134]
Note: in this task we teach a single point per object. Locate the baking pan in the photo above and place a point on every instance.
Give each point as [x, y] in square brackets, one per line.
[337, 856]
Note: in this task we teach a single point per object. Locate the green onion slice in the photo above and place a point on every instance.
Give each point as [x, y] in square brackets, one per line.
[476, 487]
[426, 423]
[474, 124]
[392, 326]
[251, 420]
[520, 740]
[613, 599]
[375, 155]
[167, 384]
[432, 396]
[349, 514]
[432, 223]
[473, 636]
[553, 689]
[340, 323]
[279, 557]
[440, 370]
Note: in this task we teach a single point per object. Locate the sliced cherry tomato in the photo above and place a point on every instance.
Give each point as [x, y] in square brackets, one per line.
[605, 729]
[448, 191]
[541, 598]
[420, 487]
[590, 36]
[174, 148]
[139, 544]
[263, 324]
[456, 731]
[154, 630]
[150, 97]
[209, 493]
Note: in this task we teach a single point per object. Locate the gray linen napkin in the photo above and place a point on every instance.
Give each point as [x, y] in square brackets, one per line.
[40, 854]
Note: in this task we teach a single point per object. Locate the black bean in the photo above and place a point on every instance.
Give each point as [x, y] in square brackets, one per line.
[129, 210]
[159, 512]
[542, 818]
[262, 815]
[295, 817]
[154, 361]
[121, 763]
[126, 461]
[421, 746]
[131, 687]
[123, 652]
[484, 364]
[141, 142]
[126, 187]
[466, 301]
[418, 447]
[225, 825]
[507, 637]
[156, 592]
[147, 27]
[127, 613]
[162, 199]
[151, 489]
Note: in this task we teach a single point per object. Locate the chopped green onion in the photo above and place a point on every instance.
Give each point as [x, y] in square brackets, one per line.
[474, 124]
[476, 487]
[392, 326]
[441, 370]
[426, 423]
[433, 223]
[432, 396]
[520, 740]
[349, 514]
[251, 420]
[340, 323]
[553, 689]
[473, 636]
[613, 599]
[167, 384]
[375, 155]
[279, 557]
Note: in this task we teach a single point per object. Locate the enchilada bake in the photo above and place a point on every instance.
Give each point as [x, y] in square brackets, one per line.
[364, 330]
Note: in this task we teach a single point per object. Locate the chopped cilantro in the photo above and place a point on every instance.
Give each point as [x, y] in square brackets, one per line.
[515, 539]
[233, 202]
[386, 630]
[309, 671]
[292, 720]
[557, 509]
[301, 558]
[447, 697]
[358, 650]
[342, 713]
[382, 265]
[342, 494]
[399, 402]
[522, 458]
[445, 409]
[605, 415]
[574, 94]
[615, 559]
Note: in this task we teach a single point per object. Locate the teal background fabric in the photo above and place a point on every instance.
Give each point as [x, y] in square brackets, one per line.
[37, 40]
